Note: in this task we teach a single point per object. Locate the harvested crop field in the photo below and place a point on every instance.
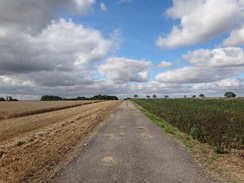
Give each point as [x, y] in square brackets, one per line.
[32, 147]
[10, 109]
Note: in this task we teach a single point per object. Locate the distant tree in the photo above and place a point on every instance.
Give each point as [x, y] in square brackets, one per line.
[136, 96]
[2, 99]
[81, 98]
[194, 96]
[127, 98]
[10, 98]
[184, 96]
[154, 96]
[50, 98]
[103, 97]
[202, 96]
[14, 99]
[230, 94]
[95, 97]
[148, 97]
[114, 98]
[166, 96]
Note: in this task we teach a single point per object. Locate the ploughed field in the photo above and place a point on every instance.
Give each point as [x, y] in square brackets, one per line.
[37, 137]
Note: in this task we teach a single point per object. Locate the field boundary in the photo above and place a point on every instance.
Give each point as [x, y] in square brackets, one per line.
[214, 163]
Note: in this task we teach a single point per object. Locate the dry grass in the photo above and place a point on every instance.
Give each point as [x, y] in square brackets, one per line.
[23, 108]
[34, 155]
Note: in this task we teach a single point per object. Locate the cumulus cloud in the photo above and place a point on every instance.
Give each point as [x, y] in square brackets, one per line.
[123, 70]
[155, 87]
[33, 16]
[165, 64]
[201, 21]
[236, 38]
[63, 46]
[39, 51]
[198, 74]
[43, 54]
[220, 57]
[208, 66]
[235, 85]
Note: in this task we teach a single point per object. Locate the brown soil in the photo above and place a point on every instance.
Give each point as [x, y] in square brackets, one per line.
[33, 147]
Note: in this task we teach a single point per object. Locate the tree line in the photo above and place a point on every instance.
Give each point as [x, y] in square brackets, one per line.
[8, 98]
[95, 97]
[227, 95]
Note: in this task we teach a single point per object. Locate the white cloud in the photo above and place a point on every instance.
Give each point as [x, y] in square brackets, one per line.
[230, 83]
[117, 40]
[236, 38]
[201, 21]
[42, 54]
[220, 57]
[126, 1]
[165, 64]
[63, 46]
[84, 5]
[124, 70]
[103, 7]
[57, 61]
[222, 85]
[154, 87]
[198, 74]
[208, 66]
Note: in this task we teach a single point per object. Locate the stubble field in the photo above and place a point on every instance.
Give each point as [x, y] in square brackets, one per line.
[33, 146]
[12, 109]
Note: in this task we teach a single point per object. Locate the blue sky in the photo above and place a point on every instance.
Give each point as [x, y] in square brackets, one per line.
[121, 47]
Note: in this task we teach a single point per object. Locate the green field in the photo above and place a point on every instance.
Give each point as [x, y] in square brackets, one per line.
[218, 122]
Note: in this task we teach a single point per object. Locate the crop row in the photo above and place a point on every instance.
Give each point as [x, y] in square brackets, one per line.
[24, 108]
[217, 122]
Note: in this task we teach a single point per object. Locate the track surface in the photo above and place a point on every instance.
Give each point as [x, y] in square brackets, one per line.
[130, 148]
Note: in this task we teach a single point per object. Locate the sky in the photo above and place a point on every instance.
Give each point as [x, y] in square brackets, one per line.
[73, 48]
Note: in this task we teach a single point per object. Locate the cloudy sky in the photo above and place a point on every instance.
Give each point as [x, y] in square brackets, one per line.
[76, 48]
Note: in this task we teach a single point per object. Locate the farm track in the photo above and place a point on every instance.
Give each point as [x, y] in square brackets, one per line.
[31, 147]
[129, 148]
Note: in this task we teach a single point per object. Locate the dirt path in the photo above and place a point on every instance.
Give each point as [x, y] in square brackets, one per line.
[130, 149]
[32, 147]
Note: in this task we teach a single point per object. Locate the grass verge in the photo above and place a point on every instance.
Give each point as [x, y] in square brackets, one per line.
[226, 167]
[168, 128]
